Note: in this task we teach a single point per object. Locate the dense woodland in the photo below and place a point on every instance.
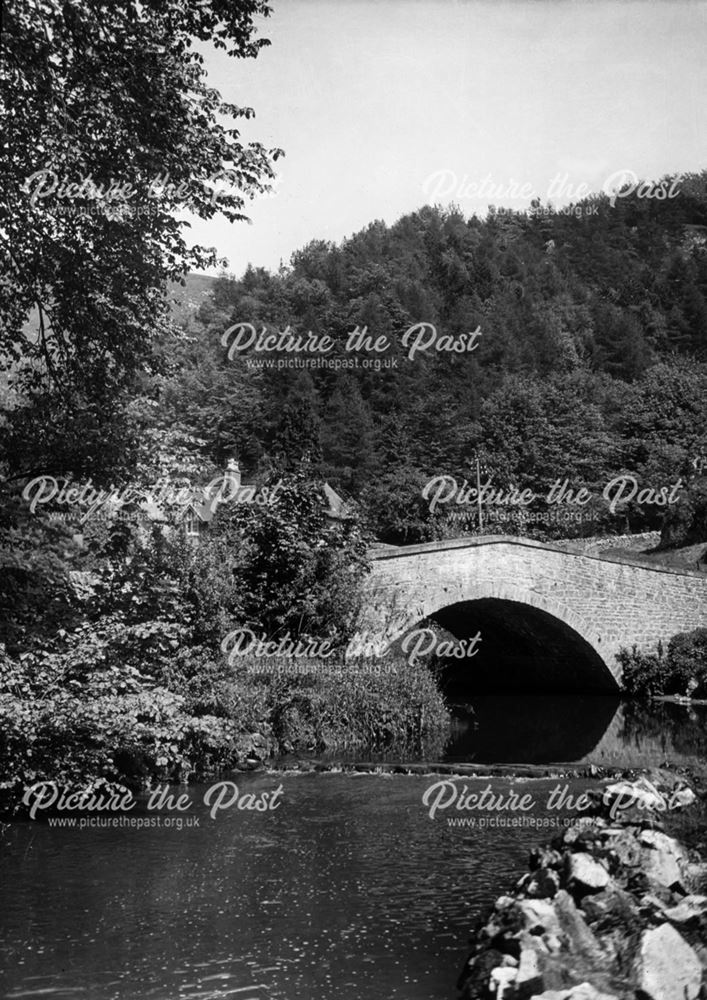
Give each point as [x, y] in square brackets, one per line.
[592, 362]
[592, 359]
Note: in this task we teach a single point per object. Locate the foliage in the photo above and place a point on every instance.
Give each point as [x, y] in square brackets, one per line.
[37, 555]
[644, 675]
[687, 656]
[295, 569]
[686, 522]
[592, 360]
[119, 727]
[377, 705]
[132, 686]
[396, 507]
[78, 722]
[683, 669]
[110, 130]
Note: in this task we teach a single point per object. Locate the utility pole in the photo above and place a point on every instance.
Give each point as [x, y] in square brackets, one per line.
[478, 490]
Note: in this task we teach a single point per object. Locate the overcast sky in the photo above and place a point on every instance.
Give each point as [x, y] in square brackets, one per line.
[382, 106]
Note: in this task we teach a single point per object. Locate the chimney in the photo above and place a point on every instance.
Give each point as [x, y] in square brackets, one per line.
[232, 479]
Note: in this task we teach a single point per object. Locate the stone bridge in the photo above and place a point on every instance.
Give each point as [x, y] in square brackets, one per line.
[550, 619]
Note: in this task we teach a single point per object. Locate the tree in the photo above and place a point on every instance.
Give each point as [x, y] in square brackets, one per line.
[686, 522]
[297, 431]
[110, 128]
[295, 571]
[347, 436]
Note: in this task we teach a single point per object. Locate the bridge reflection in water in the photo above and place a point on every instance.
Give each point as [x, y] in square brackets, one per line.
[538, 729]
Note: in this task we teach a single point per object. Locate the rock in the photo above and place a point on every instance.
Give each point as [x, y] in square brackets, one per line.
[641, 795]
[681, 798]
[501, 981]
[545, 857]
[539, 916]
[663, 869]
[690, 911]
[696, 872]
[529, 979]
[251, 764]
[610, 908]
[476, 980]
[604, 906]
[581, 941]
[666, 967]
[585, 874]
[572, 834]
[664, 861]
[584, 832]
[652, 904]
[583, 991]
[540, 884]
[660, 841]
[623, 845]
[490, 931]
[553, 943]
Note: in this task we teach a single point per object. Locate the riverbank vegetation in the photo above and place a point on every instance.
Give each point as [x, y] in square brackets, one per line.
[82, 723]
[679, 670]
[133, 684]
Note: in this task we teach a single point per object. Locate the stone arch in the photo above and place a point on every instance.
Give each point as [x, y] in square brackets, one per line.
[552, 614]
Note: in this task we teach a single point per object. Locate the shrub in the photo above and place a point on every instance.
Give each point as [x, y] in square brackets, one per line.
[377, 705]
[682, 670]
[687, 655]
[644, 674]
[293, 570]
[685, 523]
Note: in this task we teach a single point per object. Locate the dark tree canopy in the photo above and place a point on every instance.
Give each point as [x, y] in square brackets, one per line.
[592, 360]
[109, 129]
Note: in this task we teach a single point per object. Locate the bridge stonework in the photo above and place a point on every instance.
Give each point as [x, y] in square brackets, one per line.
[609, 602]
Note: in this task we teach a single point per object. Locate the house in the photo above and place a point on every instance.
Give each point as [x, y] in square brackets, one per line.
[196, 512]
[194, 508]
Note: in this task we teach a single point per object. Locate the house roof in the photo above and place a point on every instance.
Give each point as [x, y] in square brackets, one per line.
[204, 506]
[337, 508]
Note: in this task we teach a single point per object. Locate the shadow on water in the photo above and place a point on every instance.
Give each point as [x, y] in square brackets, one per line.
[542, 729]
[528, 729]
[551, 729]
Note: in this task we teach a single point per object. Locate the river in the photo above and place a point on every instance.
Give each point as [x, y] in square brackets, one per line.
[346, 889]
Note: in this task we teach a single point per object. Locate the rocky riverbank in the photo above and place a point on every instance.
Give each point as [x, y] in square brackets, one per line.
[613, 908]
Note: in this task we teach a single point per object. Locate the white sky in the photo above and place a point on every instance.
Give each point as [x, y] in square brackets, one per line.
[371, 98]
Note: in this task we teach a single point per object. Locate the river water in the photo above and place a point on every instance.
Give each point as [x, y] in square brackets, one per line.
[347, 890]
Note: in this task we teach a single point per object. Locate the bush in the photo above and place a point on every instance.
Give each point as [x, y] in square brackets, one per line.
[377, 705]
[683, 670]
[293, 570]
[685, 523]
[134, 688]
[118, 728]
[62, 721]
[687, 655]
[644, 674]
